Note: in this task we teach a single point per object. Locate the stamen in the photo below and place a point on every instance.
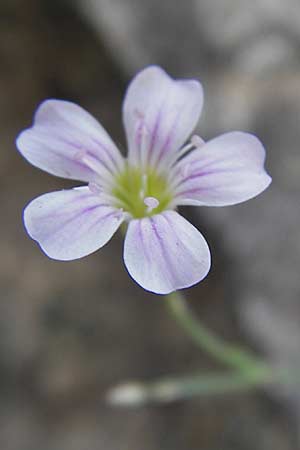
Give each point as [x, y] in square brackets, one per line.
[109, 199]
[144, 143]
[95, 188]
[151, 203]
[185, 170]
[119, 214]
[141, 193]
[142, 133]
[96, 166]
[90, 162]
[180, 174]
[197, 141]
[144, 186]
[127, 216]
[183, 151]
[144, 181]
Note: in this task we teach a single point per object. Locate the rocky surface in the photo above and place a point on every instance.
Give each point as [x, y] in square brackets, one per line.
[71, 331]
[247, 56]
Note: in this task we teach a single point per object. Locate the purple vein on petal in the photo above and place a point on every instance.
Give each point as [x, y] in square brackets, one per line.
[171, 226]
[99, 160]
[71, 158]
[80, 147]
[168, 138]
[163, 250]
[201, 174]
[154, 133]
[106, 216]
[75, 200]
[196, 190]
[178, 167]
[107, 151]
[142, 239]
[139, 139]
[71, 219]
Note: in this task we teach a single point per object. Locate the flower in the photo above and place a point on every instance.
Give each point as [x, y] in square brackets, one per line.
[163, 252]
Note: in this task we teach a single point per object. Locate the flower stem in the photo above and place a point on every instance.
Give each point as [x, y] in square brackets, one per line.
[229, 354]
[170, 389]
[247, 371]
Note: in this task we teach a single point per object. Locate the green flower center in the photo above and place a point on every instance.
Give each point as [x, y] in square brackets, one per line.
[134, 187]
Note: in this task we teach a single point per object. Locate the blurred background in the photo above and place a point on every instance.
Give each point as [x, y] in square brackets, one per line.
[70, 331]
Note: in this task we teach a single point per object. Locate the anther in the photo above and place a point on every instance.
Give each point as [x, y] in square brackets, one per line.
[197, 141]
[151, 203]
[93, 164]
[95, 188]
[119, 214]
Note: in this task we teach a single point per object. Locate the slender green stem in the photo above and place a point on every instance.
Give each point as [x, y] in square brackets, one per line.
[226, 353]
[247, 371]
[169, 389]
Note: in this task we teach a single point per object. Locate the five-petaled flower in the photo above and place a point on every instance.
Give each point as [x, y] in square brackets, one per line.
[163, 252]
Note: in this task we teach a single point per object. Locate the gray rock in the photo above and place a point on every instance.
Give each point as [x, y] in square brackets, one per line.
[247, 55]
[192, 35]
[71, 331]
[262, 237]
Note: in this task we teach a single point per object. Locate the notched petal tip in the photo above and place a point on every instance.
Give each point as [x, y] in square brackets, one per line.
[165, 253]
[71, 224]
[62, 132]
[20, 139]
[167, 108]
[226, 170]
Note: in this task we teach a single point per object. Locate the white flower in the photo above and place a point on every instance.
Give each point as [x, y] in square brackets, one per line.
[163, 252]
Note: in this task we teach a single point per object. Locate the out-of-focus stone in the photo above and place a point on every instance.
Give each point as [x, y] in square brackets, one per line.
[264, 57]
[193, 35]
[20, 423]
[228, 25]
[263, 236]
[69, 331]
[140, 33]
[247, 56]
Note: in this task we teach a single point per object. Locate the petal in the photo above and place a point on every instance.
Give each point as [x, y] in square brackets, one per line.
[159, 114]
[72, 223]
[226, 170]
[165, 252]
[61, 133]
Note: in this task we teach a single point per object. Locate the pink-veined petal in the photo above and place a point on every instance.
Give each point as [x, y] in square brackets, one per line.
[61, 136]
[159, 114]
[165, 252]
[71, 224]
[226, 170]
